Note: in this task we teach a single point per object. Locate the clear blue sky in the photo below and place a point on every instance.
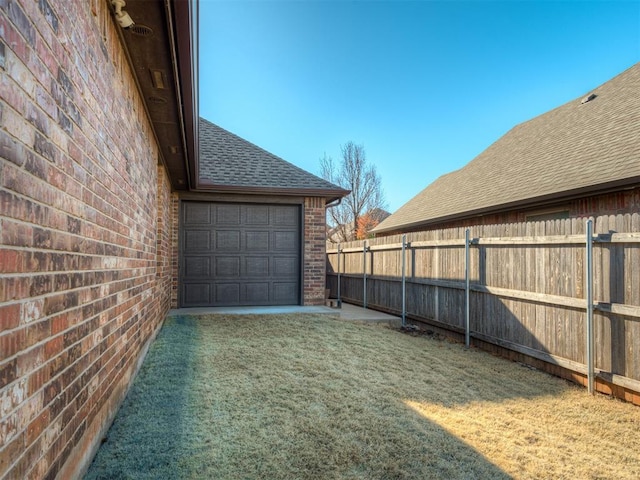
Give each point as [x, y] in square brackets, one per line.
[425, 86]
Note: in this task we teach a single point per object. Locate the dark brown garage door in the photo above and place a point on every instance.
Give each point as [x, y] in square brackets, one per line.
[239, 254]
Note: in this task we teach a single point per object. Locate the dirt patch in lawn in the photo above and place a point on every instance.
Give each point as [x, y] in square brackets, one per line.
[310, 397]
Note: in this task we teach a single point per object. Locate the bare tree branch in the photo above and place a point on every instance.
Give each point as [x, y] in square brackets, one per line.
[354, 174]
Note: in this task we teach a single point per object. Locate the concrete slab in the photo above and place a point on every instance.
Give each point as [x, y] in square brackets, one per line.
[267, 310]
[347, 312]
[356, 313]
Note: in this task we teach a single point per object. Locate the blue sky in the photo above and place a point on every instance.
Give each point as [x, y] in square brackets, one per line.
[425, 86]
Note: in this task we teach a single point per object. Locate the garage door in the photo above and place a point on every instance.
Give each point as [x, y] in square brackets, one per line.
[239, 254]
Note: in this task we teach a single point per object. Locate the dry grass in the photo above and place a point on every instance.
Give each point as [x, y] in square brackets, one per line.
[309, 397]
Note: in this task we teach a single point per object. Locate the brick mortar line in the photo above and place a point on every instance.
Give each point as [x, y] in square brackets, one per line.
[71, 252]
[119, 192]
[68, 213]
[44, 407]
[152, 146]
[67, 310]
[31, 394]
[75, 235]
[4, 276]
[150, 264]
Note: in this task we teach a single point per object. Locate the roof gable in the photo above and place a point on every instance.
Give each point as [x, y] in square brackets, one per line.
[574, 147]
[231, 163]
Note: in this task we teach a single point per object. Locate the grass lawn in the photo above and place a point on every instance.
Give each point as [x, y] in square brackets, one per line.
[310, 397]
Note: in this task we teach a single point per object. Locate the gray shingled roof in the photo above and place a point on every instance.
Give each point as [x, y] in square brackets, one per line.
[230, 163]
[573, 148]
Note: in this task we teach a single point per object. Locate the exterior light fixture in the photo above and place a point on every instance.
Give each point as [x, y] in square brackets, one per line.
[123, 18]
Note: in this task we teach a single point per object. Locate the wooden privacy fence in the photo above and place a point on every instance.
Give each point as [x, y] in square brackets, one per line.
[566, 292]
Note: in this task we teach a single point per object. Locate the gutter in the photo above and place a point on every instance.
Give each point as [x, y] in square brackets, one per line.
[542, 201]
[183, 24]
[330, 194]
[332, 204]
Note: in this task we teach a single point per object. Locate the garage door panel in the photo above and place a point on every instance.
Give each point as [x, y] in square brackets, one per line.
[257, 215]
[282, 292]
[198, 240]
[227, 294]
[227, 214]
[197, 214]
[286, 241]
[195, 294]
[257, 266]
[284, 216]
[227, 240]
[197, 266]
[285, 266]
[257, 293]
[240, 254]
[227, 266]
[257, 241]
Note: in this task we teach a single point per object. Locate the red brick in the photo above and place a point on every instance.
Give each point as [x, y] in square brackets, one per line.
[11, 261]
[37, 426]
[53, 347]
[9, 316]
[10, 452]
[27, 460]
[38, 378]
[76, 191]
[31, 310]
[52, 390]
[30, 360]
[36, 332]
[12, 233]
[12, 342]
[8, 372]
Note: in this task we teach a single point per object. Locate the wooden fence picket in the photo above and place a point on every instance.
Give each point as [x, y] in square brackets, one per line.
[527, 287]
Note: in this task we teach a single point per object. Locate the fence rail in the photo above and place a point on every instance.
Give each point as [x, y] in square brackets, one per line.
[551, 290]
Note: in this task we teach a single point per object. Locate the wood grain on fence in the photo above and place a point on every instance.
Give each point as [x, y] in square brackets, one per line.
[527, 287]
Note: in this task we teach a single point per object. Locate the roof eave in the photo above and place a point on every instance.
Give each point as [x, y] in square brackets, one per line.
[161, 49]
[541, 201]
[185, 58]
[330, 195]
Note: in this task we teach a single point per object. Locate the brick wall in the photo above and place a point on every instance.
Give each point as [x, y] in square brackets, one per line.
[166, 243]
[85, 228]
[175, 233]
[314, 251]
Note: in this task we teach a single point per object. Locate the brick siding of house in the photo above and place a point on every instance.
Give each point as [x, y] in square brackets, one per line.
[166, 243]
[314, 251]
[175, 234]
[87, 224]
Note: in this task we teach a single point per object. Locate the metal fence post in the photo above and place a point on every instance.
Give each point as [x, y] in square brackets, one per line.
[404, 283]
[589, 294]
[364, 274]
[467, 332]
[339, 255]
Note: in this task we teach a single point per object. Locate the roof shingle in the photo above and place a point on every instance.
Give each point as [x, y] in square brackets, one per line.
[228, 161]
[573, 147]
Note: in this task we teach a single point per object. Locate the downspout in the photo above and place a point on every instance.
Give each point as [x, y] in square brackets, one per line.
[337, 202]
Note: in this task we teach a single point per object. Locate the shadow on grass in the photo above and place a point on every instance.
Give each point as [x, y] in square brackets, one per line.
[271, 428]
[151, 430]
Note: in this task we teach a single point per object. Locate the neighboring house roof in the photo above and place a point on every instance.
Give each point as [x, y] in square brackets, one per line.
[333, 234]
[232, 164]
[576, 149]
[378, 214]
